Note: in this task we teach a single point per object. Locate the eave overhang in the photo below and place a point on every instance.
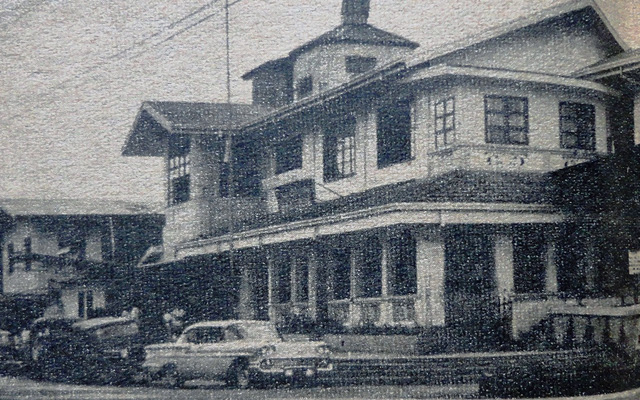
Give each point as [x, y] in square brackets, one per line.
[430, 54]
[155, 121]
[387, 215]
[444, 71]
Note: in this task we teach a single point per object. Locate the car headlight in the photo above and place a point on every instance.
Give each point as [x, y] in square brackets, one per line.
[124, 353]
[266, 350]
[323, 350]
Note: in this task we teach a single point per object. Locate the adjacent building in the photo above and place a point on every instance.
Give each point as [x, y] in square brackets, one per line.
[71, 258]
[373, 183]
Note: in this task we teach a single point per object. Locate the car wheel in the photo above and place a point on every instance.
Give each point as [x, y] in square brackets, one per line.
[172, 377]
[238, 376]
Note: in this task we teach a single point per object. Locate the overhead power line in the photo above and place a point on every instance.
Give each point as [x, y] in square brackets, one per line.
[84, 75]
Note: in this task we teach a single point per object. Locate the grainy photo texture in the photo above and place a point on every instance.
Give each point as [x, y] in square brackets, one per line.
[319, 199]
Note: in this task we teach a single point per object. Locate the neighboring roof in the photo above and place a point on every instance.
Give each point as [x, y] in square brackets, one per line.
[75, 207]
[553, 12]
[345, 33]
[621, 63]
[156, 119]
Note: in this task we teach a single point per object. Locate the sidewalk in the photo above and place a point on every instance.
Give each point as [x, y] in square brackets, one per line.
[554, 371]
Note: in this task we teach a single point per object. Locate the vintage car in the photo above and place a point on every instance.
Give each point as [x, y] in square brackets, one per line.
[239, 352]
[106, 349]
[9, 355]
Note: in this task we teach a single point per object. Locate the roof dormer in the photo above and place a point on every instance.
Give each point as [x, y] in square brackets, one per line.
[332, 59]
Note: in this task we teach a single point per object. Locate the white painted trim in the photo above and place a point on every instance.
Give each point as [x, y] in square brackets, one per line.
[377, 217]
[444, 70]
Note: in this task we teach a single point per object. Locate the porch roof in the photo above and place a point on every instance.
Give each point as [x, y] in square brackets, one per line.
[457, 197]
[608, 187]
[457, 186]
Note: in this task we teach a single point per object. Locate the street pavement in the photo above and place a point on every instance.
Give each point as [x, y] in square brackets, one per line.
[14, 388]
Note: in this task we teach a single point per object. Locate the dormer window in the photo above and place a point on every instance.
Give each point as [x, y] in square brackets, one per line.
[359, 64]
[179, 169]
[304, 87]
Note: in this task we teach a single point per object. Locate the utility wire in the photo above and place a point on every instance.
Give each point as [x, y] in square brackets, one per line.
[120, 55]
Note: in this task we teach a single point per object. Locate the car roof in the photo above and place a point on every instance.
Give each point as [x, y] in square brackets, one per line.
[226, 323]
[99, 322]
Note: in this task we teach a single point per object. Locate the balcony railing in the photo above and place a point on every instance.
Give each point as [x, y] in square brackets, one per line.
[383, 311]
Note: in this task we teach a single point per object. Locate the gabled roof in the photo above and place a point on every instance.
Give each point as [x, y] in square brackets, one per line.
[157, 119]
[345, 33]
[553, 12]
[356, 33]
[74, 207]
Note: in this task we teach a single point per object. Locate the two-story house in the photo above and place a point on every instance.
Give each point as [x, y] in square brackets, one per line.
[72, 258]
[397, 186]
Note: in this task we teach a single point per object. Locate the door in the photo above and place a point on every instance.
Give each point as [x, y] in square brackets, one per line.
[472, 310]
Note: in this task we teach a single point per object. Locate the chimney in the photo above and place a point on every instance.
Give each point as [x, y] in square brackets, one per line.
[355, 12]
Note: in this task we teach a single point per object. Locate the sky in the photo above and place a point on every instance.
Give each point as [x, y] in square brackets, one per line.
[73, 73]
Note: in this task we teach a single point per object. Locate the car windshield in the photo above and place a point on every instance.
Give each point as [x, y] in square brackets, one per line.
[117, 330]
[203, 335]
[258, 331]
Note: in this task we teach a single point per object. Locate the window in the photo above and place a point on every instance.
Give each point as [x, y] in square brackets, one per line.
[371, 268]
[394, 133]
[295, 197]
[444, 116]
[289, 154]
[302, 278]
[11, 257]
[359, 64]
[305, 87]
[577, 126]
[402, 264]
[179, 169]
[27, 254]
[85, 304]
[506, 120]
[340, 149]
[529, 261]
[341, 273]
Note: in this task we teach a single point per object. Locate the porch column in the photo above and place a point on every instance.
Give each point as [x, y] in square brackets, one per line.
[503, 258]
[551, 266]
[588, 263]
[354, 290]
[313, 282]
[430, 264]
[245, 303]
[271, 278]
[386, 312]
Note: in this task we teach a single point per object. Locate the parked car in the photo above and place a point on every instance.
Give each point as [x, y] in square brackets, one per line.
[240, 352]
[107, 349]
[9, 356]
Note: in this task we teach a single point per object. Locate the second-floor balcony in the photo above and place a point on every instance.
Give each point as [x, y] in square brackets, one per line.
[202, 218]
